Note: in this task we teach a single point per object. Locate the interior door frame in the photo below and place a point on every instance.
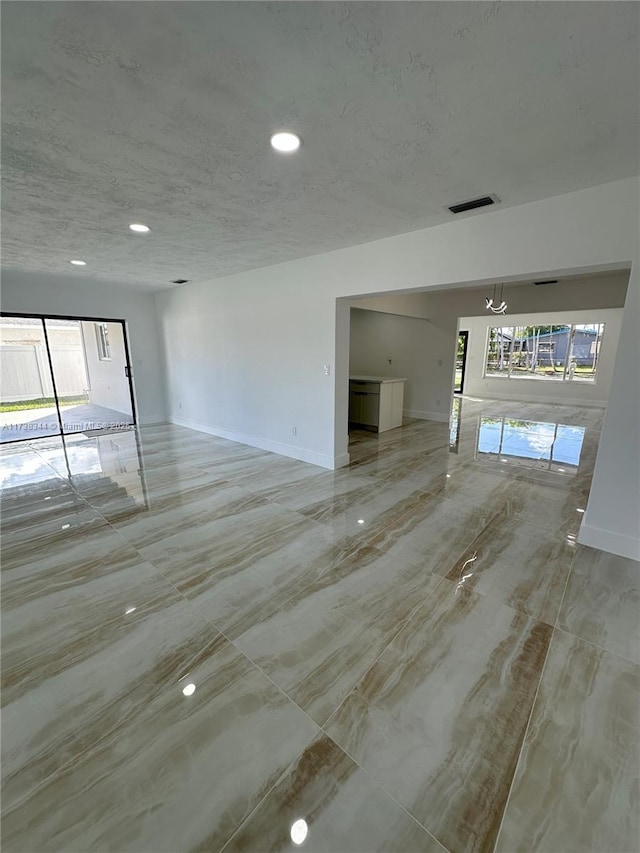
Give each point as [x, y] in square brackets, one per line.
[128, 371]
[464, 334]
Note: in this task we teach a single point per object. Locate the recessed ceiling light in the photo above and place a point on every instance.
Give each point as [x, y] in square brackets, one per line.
[286, 141]
[139, 228]
[79, 263]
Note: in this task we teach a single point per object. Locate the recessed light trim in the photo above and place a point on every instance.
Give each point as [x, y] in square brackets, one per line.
[139, 228]
[77, 263]
[285, 141]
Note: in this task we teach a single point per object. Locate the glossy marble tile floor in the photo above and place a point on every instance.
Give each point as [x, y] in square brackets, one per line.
[210, 647]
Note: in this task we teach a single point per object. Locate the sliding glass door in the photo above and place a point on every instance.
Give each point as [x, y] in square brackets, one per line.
[63, 375]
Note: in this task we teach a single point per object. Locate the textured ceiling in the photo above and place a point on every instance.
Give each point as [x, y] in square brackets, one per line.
[161, 113]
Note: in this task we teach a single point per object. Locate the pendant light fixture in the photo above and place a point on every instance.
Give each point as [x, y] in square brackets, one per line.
[492, 304]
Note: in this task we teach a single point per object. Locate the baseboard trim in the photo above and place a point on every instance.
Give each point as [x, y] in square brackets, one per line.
[613, 543]
[341, 460]
[302, 454]
[441, 417]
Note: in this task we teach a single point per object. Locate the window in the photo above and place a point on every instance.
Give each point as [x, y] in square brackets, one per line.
[102, 337]
[562, 353]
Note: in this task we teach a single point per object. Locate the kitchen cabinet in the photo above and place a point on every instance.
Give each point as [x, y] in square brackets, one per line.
[376, 401]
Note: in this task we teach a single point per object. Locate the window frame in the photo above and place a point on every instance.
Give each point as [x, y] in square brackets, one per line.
[102, 341]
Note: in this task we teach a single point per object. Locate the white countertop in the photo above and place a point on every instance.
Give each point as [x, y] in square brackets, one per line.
[379, 379]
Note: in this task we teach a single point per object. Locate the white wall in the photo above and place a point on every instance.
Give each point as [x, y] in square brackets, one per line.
[245, 353]
[596, 393]
[250, 367]
[108, 383]
[77, 297]
[612, 519]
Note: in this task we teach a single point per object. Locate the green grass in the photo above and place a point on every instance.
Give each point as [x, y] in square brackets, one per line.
[41, 403]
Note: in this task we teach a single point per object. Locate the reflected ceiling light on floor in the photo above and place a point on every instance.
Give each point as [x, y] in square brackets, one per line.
[491, 304]
[139, 228]
[66, 526]
[285, 141]
[579, 510]
[129, 610]
[78, 263]
[361, 521]
[189, 689]
[299, 831]
[464, 576]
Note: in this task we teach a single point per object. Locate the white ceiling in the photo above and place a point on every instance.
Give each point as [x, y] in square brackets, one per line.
[161, 113]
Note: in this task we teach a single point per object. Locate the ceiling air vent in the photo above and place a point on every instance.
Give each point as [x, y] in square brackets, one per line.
[473, 204]
[180, 281]
[547, 281]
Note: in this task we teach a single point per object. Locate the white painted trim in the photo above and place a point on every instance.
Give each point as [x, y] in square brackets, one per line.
[300, 453]
[441, 417]
[613, 543]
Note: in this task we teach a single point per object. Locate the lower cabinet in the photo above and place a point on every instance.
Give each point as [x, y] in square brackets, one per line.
[376, 404]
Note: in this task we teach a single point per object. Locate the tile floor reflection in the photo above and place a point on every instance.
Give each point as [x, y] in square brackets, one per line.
[206, 646]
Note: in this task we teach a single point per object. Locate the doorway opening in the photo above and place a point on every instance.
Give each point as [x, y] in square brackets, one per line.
[461, 362]
[63, 375]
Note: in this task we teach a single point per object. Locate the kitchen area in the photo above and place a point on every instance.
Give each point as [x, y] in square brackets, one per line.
[376, 402]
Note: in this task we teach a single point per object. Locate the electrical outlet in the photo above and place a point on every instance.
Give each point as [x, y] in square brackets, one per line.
[327, 369]
[294, 430]
[439, 362]
[389, 359]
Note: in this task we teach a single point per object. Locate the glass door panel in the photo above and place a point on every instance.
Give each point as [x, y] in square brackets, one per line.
[461, 361]
[27, 402]
[91, 374]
